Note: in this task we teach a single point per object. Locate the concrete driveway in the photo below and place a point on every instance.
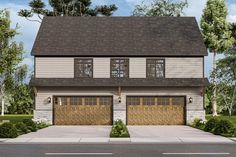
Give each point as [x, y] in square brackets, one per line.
[173, 133]
[70, 132]
[139, 134]
[167, 131]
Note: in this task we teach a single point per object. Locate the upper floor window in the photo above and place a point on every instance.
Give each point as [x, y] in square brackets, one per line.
[84, 68]
[155, 68]
[119, 68]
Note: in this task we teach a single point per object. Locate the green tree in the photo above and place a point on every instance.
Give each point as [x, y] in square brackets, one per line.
[10, 56]
[21, 101]
[216, 34]
[226, 76]
[160, 8]
[208, 98]
[65, 8]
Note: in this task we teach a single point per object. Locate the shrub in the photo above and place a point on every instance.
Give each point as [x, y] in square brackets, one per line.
[223, 127]
[198, 123]
[31, 125]
[233, 133]
[41, 125]
[8, 130]
[22, 128]
[119, 129]
[211, 124]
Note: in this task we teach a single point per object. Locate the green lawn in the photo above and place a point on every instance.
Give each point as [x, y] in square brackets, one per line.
[15, 118]
[232, 118]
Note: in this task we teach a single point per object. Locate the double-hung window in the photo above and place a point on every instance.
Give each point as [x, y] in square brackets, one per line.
[120, 68]
[155, 68]
[83, 68]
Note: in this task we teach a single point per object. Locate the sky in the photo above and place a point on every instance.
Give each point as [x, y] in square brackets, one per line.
[28, 30]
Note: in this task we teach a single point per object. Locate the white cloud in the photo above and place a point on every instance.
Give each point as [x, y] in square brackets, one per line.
[135, 2]
[231, 12]
[232, 18]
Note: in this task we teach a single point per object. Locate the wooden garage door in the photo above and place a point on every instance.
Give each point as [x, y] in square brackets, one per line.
[155, 110]
[86, 110]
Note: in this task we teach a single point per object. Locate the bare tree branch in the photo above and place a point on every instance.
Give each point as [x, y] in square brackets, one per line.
[40, 17]
[33, 20]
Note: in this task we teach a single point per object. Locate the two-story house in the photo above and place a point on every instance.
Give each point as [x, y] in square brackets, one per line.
[143, 70]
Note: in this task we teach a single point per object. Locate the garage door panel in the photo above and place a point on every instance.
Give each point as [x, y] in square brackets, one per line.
[155, 110]
[82, 110]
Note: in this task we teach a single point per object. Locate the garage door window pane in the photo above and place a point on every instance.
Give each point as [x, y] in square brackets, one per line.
[61, 101]
[163, 101]
[75, 100]
[105, 101]
[149, 101]
[178, 101]
[133, 100]
[90, 101]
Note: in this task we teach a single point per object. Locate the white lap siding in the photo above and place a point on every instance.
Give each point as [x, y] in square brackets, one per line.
[193, 110]
[182, 67]
[63, 67]
[54, 67]
[101, 67]
[137, 67]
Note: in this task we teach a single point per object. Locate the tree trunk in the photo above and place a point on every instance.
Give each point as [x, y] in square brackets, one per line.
[214, 103]
[2, 113]
[230, 112]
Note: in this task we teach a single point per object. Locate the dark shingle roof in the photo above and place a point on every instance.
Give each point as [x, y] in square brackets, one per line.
[114, 82]
[119, 36]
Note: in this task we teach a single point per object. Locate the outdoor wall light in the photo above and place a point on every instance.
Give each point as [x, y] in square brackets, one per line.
[119, 99]
[49, 99]
[190, 100]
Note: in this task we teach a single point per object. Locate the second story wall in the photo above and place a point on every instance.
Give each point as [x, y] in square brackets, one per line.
[63, 67]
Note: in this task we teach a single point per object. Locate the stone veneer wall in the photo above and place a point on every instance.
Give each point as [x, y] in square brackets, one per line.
[191, 115]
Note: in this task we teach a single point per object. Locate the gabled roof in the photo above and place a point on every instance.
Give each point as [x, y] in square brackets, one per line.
[119, 36]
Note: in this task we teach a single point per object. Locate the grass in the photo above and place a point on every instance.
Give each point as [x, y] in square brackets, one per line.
[14, 118]
[230, 118]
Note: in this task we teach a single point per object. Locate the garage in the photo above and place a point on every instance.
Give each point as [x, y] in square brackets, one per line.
[155, 110]
[82, 110]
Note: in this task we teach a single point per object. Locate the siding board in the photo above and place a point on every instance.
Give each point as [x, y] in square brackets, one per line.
[54, 67]
[101, 67]
[184, 67]
[137, 67]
